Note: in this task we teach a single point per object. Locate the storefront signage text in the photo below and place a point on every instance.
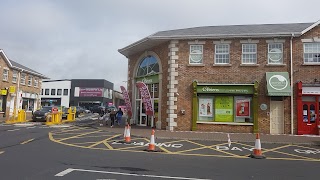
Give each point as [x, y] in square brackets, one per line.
[224, 89]
[91, 92]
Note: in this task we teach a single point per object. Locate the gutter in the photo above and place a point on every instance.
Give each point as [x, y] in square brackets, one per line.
[291, 79]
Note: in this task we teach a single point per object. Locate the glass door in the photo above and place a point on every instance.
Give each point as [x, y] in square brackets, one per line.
[310, 117]
[141, 114]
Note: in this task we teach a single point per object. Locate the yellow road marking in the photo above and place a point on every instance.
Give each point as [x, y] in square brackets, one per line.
[203, 147]
[292, 159]
[293, 155]
[79, 135]
[131, 147]
[104, 140]
[306, 147]
[267, 150]
[25, 142]
[108, 145]
[85, 143]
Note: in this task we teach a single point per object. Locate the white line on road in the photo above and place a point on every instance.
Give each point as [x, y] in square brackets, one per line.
[1, 152]
[69, 170]
[13, 129]
[30, 127]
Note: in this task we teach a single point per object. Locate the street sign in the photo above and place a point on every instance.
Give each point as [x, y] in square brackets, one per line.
[3, 92]
[54, 110]
[12, 89]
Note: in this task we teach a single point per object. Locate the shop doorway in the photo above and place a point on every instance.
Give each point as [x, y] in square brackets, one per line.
[141, 114]
[309, 120]
[276, 117]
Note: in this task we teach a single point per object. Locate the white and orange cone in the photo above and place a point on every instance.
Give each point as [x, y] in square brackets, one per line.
[257, 152]
[152, 146]
[125, 131]
[127, 137]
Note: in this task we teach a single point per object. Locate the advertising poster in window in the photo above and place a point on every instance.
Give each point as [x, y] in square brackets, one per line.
[205, 107]
[224, 108]
[243, 108]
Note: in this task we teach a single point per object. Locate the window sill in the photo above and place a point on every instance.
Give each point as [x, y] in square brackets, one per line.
[195, 65]
[275, 64]
[226, 123]
[4, 80]
[226, 65]
[253, 65]
[311, 64]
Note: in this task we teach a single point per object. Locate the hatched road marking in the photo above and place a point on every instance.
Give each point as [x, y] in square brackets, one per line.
[88, 138]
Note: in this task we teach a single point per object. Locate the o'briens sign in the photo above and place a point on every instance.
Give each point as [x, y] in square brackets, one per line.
[278, 82]
[149, 79]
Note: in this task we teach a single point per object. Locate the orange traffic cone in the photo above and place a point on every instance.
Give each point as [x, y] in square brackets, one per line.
[257, 152]
[152, 146]
[125, 131]
[127, 136]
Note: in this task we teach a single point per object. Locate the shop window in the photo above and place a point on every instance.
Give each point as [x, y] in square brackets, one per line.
[53, 92]
[249, 53]
[28, 104]
[14, 76]
[41, 91]
[148, 66]
[65, 92]
[311, 53]
[46, 92]
[59, 92]
[237, 109]
[275, 51]
[222, 54]
[196, 54]
[5, 74]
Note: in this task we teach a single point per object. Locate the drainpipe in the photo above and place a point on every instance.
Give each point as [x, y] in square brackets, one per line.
[291, 75]
[17, 94]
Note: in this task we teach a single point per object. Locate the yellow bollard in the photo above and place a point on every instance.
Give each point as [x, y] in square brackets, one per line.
[71, 117]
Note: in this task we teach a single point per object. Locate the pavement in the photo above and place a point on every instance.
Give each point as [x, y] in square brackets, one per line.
[139, 131]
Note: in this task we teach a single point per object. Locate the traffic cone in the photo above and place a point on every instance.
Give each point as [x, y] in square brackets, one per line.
[152, 146]
[125, 131]
[257, 152]
[127, 136]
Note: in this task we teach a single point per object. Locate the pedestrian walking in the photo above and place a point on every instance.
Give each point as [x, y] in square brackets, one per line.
[112, 117]
[119, 115]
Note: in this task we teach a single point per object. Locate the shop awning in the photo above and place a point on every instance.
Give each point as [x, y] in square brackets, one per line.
[278, 84]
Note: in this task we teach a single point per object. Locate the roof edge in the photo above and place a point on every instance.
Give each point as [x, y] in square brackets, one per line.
[6, 58]
[310, 27]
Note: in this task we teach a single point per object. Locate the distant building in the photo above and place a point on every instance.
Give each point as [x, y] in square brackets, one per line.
[78, 92]
[20, 86]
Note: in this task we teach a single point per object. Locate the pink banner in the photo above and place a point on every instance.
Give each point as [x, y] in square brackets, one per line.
[146, 98]
[90, 92]
[126, 100]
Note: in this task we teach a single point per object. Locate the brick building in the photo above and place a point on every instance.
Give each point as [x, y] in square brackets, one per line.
[20, 87]
[239, 78]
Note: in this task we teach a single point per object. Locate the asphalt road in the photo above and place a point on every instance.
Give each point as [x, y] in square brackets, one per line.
[30, 153]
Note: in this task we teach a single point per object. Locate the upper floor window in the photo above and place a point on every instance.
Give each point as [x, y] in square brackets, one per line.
[14, 76]
[5, 74]
[23, 79]
[196, 54]
[41, 91]
[275, 51]
[249, 53]
[311, 52]
[148, 66]
[222, 54]
[46, 92]
[59, 92]
[36, 82]
[65, 92]
[53, 92]
[29, 80]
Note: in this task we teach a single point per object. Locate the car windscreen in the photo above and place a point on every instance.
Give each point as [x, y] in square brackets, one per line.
[47, 109]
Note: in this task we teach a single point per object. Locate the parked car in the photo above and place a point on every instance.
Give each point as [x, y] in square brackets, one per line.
[97, 109]
[41, 114]
[110, 108]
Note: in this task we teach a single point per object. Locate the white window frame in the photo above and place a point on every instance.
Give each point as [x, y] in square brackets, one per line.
[226, 58]
[36, 82]
[311, 53]
[14, 76]
[23, 79]
[273, 56]
[196, 51]
[251, 59]
[5, 74]
[29, 80]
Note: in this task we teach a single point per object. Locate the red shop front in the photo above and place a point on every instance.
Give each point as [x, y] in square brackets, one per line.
[308, 108]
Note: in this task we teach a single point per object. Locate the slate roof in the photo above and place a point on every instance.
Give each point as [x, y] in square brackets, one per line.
[215, 32]
[19, 66]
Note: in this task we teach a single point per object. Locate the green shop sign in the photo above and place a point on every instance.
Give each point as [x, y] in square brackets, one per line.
[278, 84]
[149, 79]
[231, 89]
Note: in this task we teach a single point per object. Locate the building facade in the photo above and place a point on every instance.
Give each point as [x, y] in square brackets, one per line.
[20, 87]
[77, 92]
[241, 78]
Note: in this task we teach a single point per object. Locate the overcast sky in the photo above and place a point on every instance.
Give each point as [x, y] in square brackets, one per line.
[75, 39]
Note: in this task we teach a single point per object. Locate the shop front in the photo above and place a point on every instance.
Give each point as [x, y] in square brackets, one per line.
[308, 108]
[225, 104]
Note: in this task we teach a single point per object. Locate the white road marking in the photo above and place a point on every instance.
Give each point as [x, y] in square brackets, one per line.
[69, 170]
[13, 129]
[30, 127]
[1, 152]
[24, 124]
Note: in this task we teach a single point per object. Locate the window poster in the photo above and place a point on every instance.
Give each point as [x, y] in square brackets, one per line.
[205, 107]
[1, 104]
[243, 108]
[224, 108]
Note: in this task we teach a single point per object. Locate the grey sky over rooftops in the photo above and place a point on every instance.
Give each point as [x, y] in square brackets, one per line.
[79, 39]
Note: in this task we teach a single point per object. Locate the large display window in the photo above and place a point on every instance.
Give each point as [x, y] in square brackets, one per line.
[225, 109]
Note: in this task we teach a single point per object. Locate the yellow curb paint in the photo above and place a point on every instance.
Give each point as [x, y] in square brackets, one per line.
[27, 141]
